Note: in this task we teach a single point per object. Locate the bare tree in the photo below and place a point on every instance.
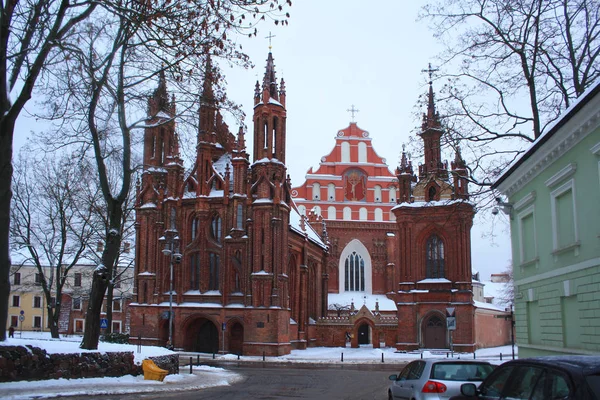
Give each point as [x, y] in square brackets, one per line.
[30, 32]
[508, 70]
[50, 224]
[102, 84]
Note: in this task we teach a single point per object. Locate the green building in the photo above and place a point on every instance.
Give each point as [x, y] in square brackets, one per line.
[553, 193]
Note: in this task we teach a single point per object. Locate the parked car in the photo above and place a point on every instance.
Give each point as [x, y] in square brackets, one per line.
[540, 378]
[437, 379]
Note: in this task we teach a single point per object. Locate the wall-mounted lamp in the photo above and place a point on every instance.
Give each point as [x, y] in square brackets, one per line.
[501, 205]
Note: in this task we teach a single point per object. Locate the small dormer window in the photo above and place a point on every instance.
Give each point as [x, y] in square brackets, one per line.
[432, 193]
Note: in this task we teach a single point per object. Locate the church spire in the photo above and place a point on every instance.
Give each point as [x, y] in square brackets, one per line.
[207, 112]
[431, 133]
[270, 80]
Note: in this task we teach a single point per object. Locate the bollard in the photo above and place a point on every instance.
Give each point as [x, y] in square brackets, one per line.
[213, 355]
[473, 355]
[446, 355]
[421, 356]
[500, 356]
[198, 360]
[238, 356]
[381, 357]
[263, 356]
[191, 365]
[342, 357]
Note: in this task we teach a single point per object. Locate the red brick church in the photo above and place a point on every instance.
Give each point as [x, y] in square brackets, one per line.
[356, 253]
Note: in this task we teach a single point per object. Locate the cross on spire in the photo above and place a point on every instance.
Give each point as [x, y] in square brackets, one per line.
[353, 111]
[430, 71]
[271, 36]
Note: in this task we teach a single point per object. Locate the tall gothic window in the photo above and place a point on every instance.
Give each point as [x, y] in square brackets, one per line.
[213, 275]
[215, 228]
[240, 216]
[195, 226]
[195, 271]
[355, 273]
[435, 257]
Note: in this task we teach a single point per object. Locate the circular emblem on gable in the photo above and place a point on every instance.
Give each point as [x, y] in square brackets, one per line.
[294, 193]
[323, 159]
[341, 133]
[365, 134]
[383, 160]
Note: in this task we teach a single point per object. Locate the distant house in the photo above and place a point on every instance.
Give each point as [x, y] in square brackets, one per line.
[553, 194]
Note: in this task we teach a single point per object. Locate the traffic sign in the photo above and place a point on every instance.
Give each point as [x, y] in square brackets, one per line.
[22, 312]
[21, 318]
[103, 323]
[450, 311]
[451, 323]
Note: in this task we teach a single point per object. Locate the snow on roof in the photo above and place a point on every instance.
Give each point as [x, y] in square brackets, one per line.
[360, 299]
[296, 225]
[440, 203]
[488, 306]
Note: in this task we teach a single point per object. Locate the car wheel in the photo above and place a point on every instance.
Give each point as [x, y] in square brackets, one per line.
[390, 397]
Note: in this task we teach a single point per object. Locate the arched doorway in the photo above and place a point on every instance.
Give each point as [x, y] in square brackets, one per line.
[202, 336]
[363, 334]
[434, 332]
[236, 339]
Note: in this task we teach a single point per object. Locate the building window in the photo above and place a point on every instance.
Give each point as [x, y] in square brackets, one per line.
[355, 273]
[378, 215]
[37, 322]
[392, 216]
[77, 279]
[347, 214]
[14, 320]
[195, 226]
[316, 191]
[79, 325]
[392, 194]
[527, 235]
[38, 279]
[195, 271]
[215, 228]
[117, 305]
[331, 192]
[16, 301]
[116, 327]
[76, 303]
[37, 302]
[99, 246]
[435, 257]
[213, 279]
[362, 152]
[564, 223]
[377, 193]
[331, 212]
[316, 210]
[240, 216]
[345, 152]
[302, 210]
[17, 278]
[363, 214]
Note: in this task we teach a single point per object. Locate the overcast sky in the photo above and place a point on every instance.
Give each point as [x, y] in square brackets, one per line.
[339, 53]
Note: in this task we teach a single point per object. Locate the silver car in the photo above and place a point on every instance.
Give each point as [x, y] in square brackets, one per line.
[436, 378]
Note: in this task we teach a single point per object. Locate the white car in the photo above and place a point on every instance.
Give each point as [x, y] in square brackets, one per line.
[437, 379]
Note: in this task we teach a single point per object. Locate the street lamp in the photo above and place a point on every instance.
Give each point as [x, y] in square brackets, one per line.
[171, 249]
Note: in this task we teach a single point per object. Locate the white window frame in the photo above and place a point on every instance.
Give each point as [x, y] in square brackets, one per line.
[520, 217]
[565, 187]
[33, 302]
[12, 300]
[393, 194]
[80, 304]
[392, 216]
[316, 191]
[363, 214]
[331, 192]
[345, 152]
[357, 246]
[362, 152]
[120, 302]
[377, 195]
[331, 213]
[347, 214]
[302, 210]
[33, 322]
[118, 322]
[378, 215]
[75, 325]
[317, 210]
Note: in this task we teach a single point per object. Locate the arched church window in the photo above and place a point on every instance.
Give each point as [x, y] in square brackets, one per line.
[213, 273]
[378, 214]
[195, 271]
[302, 210]
[345, 152]
[172, 218]
[392, 216]
[331, 192]
[195, 226]
[240, 216]
[432, 193]
[347, 214]
[274, 151]
[435, 257]
[215, 228]
[331, 212]
[392, 194]
[317, 210]
[362, 152]
[363, 214]
[377, 193]
[316, 191]
[354, 273]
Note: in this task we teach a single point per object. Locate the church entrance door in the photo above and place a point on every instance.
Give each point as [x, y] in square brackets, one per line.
[363, 334]
[203, 336]
[434, 333]
[236, 339]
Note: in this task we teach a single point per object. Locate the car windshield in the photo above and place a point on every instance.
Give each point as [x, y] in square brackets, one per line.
[473, 372]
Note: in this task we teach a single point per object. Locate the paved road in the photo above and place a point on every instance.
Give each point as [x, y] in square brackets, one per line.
[364, 382]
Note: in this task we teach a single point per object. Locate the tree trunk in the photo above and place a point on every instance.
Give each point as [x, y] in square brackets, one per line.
[6, 170]
[55, 316]
[109, 303]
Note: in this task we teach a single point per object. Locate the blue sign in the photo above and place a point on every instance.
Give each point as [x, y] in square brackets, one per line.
[22, 312]
[103, 323]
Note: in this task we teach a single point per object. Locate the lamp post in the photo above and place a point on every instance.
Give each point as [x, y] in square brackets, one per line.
[171, 249]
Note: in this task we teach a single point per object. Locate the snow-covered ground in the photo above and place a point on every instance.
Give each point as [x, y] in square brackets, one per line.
[203, 376]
